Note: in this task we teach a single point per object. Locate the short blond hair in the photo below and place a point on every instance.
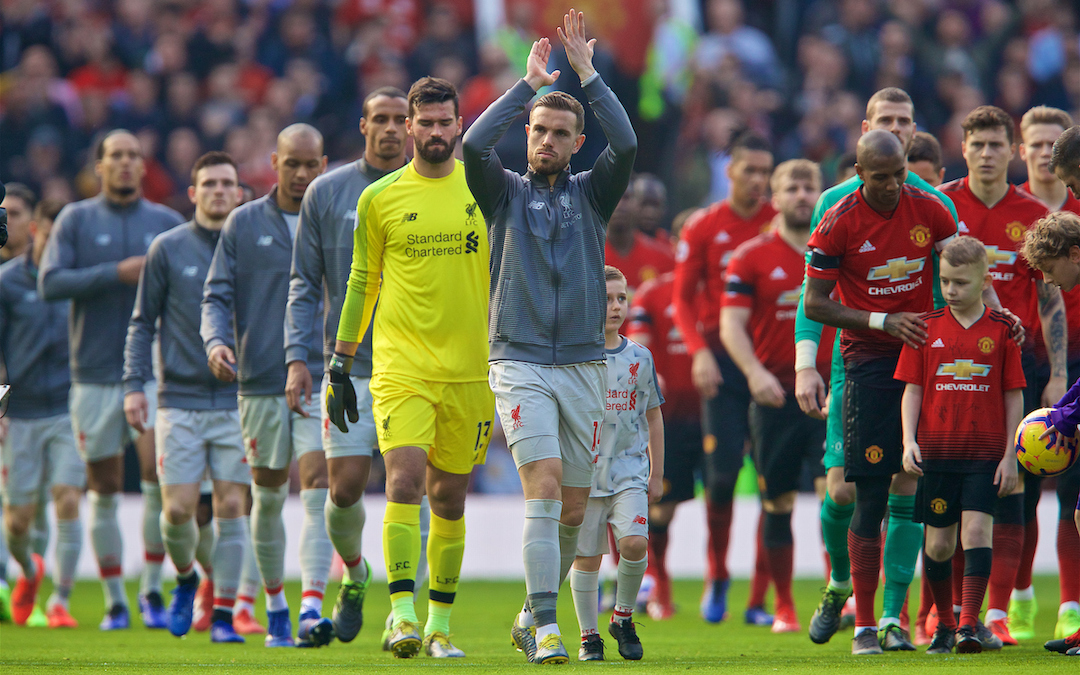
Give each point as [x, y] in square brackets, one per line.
[796, 169]
[1051, 237]
[1044, 114]
[965, 250]
[612, 273]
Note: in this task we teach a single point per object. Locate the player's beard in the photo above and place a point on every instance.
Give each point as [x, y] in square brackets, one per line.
[437, 152]
[547, 167]
[125, 190]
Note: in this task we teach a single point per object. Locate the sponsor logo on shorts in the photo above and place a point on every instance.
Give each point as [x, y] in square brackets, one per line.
[708, 444]
[874, 454]
[640, 520]
[920, 235]
[986, 345]
[633, 373]
[938, 505]
[253, 447]
[515, 415]
[326, 429]
[385, 430]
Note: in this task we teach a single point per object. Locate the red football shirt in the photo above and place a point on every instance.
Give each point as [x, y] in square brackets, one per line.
[648, 259]
[1072, 298]
[882, 263]
[765, 275]
[653, 313]
[964, 373]
[1002, 228]
[708, 239]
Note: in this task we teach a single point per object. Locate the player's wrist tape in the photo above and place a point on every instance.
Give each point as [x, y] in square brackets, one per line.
[877, 320]
[805, 355]
[340, 363]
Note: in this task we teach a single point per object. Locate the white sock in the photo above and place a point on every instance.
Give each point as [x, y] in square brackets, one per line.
[585, 587]
[276, 601]
[19, 545]
[567, 549]
[316, 551]
[844, 585]
[228, 559]
[108, 546]
[1068, 606]
[1023, 593]
[69, 540]
[345, 527]
[249, 574]
[268, 533]
[153, 543]
[204, 550]
[630, 575]
[180, 541]
[995, 614]
[525, 617]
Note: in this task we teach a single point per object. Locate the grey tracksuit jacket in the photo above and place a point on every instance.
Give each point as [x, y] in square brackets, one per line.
[548, 295]
[322, 257]
[244, 297]
[168, 304]
[88, 239]
[33, 343]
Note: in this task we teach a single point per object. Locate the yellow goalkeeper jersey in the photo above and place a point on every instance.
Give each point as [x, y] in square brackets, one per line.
[427, 240]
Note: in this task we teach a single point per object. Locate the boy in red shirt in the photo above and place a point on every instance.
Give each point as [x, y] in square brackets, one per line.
[964, 395]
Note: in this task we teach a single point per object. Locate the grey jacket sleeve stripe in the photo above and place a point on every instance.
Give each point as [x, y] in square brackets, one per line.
[59, 279]
[488, 180]
[305, 280]
[607, 181]
[149, 302]
[216, 326]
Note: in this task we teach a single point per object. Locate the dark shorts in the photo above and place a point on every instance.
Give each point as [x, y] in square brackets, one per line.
[783, 439]
[724, 424]
[941, 496]
[872, 435]
[682, 459]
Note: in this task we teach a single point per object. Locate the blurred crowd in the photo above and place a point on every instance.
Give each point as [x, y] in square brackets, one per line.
[190, 76]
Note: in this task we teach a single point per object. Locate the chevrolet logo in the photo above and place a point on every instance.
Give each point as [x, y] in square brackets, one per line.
[963, 369]
[896, 269]
[995, 256]
[789, 297]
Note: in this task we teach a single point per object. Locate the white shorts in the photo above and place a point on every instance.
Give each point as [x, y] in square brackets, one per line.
[627, 512]
[275, 435]
[37, 454]
[189, 443]
[97, 418]
[361, 438]
[566, 402]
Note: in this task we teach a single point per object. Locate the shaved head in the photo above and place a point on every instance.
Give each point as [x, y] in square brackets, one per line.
[878, 144]
[293, 133]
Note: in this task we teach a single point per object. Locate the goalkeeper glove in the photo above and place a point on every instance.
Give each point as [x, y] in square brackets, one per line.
[340, 395]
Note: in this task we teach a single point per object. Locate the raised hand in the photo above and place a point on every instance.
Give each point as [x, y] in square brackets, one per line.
[579, 51]
[536, 73]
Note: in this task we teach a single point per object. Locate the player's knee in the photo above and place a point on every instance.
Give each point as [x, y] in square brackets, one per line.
[722, 488]
[406, 488]
[939, 548]
[177, 514]
[17, 519]
[587, 563]
[903, 483]
[66, 501]
[344, 494]
[780, 504]
[633, 547]
[228, 503]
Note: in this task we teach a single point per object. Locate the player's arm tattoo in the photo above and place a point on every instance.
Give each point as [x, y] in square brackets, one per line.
[1055, 330]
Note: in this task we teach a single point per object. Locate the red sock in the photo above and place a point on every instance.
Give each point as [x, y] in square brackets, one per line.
[926, 601]
[780, 569]
[865, 565]
[759, 582]
[942, 592]
[612, 545]
[1068, 552]
[957, 572]
[1027, 554]
[1008, 546]
[719, 520]
[657, 566]
[974, 592]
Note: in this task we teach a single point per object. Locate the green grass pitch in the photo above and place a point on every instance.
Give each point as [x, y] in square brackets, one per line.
[481, 625]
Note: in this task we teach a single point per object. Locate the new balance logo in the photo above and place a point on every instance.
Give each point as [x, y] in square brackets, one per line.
[190, 271]
[472, 242]
[778, 273]
[408, 217]
[265, 240]
[867, 247]
[103, 239]
[640, 520]
[938, 343]
[536, 206]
